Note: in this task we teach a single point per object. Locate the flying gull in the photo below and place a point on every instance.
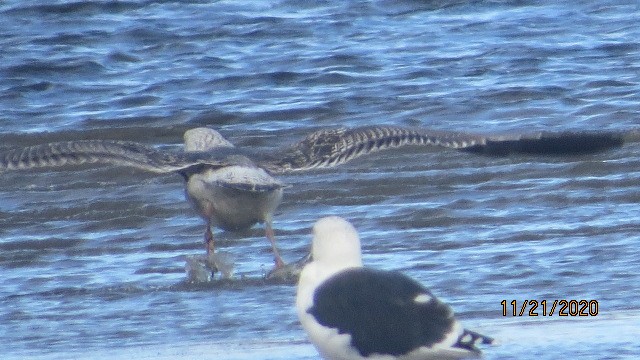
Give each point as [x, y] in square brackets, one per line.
[351, 312]
[234, 188]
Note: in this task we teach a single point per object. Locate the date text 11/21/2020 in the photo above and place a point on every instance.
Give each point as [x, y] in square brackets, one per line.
[548, 308]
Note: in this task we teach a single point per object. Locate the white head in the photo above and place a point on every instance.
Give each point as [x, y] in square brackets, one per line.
[335, 247]
[204, 139]
[336, 244]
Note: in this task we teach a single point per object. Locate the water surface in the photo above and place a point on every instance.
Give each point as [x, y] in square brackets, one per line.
[92, 260]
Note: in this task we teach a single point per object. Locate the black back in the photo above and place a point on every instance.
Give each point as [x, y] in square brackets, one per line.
[379, 311]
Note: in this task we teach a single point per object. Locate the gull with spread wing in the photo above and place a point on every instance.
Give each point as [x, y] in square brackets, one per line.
[234, 188]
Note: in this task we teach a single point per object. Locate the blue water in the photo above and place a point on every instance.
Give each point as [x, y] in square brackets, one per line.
[92, 259]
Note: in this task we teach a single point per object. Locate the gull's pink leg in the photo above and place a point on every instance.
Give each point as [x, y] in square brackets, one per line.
[271, 236]
[208, 240]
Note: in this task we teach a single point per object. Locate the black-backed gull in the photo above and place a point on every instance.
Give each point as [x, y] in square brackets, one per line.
[351, 312]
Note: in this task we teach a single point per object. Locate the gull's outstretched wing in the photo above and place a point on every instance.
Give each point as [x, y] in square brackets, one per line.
[120, 153]
[328, 148]
[331, 147]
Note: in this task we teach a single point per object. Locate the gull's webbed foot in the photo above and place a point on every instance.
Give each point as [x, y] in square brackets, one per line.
[288, 272]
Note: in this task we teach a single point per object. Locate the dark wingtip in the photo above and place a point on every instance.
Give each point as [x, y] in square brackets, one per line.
[469, 339]
[554, 144]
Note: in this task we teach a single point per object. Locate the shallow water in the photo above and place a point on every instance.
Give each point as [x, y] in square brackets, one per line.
[92, 260]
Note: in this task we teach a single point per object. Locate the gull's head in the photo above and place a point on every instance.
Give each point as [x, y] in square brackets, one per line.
[204, 139]
[336, 243]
